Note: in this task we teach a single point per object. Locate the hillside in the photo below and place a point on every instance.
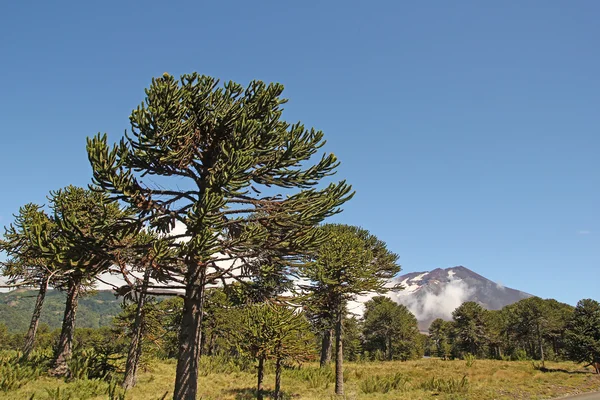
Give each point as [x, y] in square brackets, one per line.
[93, 311]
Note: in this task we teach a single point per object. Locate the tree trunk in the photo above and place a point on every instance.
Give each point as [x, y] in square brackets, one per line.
[541, 344]
[277, 378]
[186, 378]
[390, 353]
[135, 347]
[65, 342]
[35, 318]
[326, 348]
[211, 344]
[339, 355]
[203, 344]
[261, 364]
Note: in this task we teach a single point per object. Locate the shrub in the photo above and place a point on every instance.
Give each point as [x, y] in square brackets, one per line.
[383, 384]
[14, 375]
[90, 364]
[520, 355]
[224, 364]
[470, 359]
[449, 385]
[316, 377]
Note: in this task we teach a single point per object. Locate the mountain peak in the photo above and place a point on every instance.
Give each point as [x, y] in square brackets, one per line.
[437, 293]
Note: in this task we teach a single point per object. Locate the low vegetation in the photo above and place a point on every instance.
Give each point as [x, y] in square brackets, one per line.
[420, 379]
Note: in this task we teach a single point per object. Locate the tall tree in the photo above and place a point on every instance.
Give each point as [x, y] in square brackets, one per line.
[351, 262]
[470, 328]
[531, 323]
[391, 328]
[583, 333]
[224, 158]
[86, 228]
[26, 265]
[439, 334]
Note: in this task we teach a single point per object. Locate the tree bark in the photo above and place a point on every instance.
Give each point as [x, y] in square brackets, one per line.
[326, 348]
[203, 344]
[541, 344]
[390, 354]
[65, 342]
[339, 356]
[135, 347]
[261, 369]
[277, 378]
[35, 318]
[542, 351]
[186, 378]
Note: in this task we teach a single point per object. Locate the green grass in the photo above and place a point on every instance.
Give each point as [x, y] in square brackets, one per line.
[423, 379]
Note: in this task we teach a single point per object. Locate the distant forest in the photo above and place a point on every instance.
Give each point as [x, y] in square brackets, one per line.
[95, 310]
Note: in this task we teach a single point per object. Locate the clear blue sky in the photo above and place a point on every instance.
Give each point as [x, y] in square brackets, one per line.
[469, 129]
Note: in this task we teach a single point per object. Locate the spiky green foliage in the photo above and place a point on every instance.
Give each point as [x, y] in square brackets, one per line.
[351, 262]
[583, 333]
[271, 331]
[25, 264]
[230, 145]
[89, 225]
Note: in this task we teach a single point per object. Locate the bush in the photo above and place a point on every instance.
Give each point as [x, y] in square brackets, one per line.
[520, 355]
[90, 364]
[450, 385]
[224, 364]
[383, 384]
[470, 359]
[14, 375]
[316, 377]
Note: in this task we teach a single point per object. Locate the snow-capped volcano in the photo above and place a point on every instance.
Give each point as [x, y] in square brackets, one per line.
[435, 294]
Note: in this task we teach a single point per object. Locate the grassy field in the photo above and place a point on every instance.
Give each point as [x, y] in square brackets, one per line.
[423, 379]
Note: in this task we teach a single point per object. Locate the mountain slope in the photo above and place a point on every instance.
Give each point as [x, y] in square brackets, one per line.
[94, 310]
[435, 294]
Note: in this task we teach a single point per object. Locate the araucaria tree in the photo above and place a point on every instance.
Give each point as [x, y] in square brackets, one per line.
[470, 328]
[268, 331]
[223, 159]
[25, 265]
[80, 249]
[391, 328]
[583, 333]
[351, 262]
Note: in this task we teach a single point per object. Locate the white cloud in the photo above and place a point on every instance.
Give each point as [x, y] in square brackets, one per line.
[432, 305]
[584, 232]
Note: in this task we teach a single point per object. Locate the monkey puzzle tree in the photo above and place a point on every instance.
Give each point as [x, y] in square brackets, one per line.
[26, 266]
[87, 228]
[272, 332]
[470, 327]
[530, 322]
[392, 328]
[439, 334]
[349, 263]
[224, 158]
[583, 333]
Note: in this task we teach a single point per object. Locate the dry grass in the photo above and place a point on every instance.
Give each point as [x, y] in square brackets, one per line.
[423, 379]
